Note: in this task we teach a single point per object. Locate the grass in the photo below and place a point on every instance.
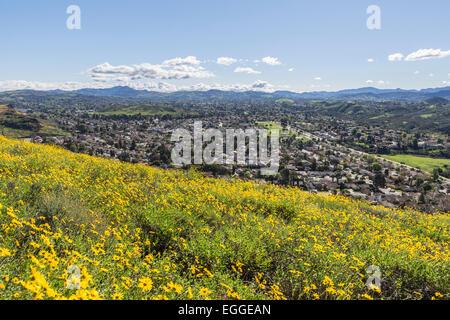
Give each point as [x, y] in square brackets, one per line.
[381, 116]
[268, 125]
[45, 130]
[425, 163]
[137, 232]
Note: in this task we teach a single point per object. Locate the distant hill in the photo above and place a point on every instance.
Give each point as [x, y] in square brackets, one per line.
[123, 95]
[437, 100]
[432, 114]
[119, 91]
[368, 93]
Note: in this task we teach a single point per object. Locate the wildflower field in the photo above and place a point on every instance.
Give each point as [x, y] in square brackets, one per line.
[137, 232]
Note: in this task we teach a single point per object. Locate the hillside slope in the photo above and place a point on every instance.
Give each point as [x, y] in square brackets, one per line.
[11, 118]
[15, 124]
[136, 232]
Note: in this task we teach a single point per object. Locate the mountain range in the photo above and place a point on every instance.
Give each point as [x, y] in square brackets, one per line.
[367, 94]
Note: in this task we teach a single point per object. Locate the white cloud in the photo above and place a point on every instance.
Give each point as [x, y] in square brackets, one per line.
[177, 68]
[431, 75]
[226, 61]
[317, 78]
[370, 60]
[262, 85]
[11, 85]
[379, 82]
[270, 61]
[246, 70]
[106, 68]
[416, 72]
[421, 54]
[189, 60]
[291, 69]
[396, 57]
[258, 85]
[425, 54]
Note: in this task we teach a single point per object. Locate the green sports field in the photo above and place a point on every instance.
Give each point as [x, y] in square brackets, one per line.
[424, 163]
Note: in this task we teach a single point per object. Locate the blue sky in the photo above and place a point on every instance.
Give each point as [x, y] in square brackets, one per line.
[307, 45]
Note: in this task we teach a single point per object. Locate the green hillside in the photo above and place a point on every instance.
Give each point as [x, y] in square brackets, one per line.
[11, 118]
[15, 124]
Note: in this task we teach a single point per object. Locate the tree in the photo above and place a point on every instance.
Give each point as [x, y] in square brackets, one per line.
[124, 156]
[285, 175]
[164, 154]
[422, 199]
[379, 180]
[436, 174]
[419, 181]
[376, 167]
[133, 145]
[314, 164]
[82, 128]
